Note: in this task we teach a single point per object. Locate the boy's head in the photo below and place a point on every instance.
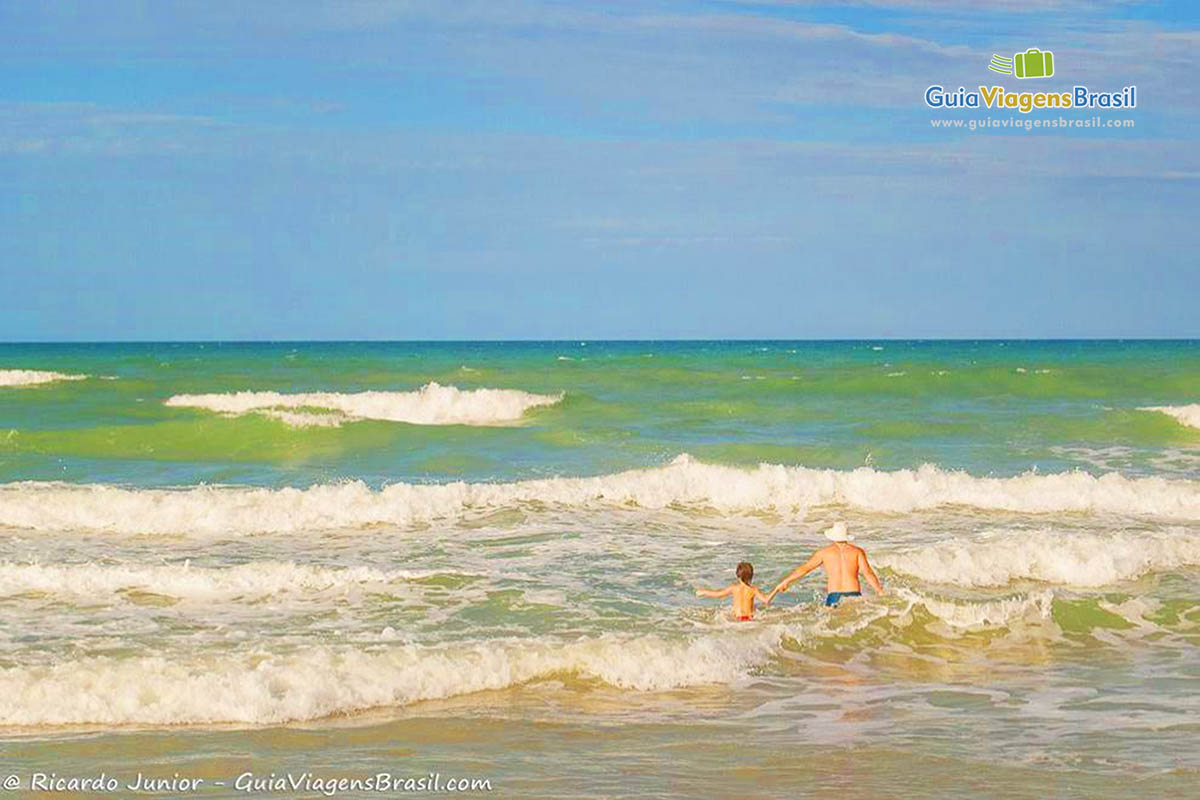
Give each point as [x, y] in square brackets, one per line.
[745, 572]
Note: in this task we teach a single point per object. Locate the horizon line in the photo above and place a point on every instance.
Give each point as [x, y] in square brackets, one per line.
[683, 340]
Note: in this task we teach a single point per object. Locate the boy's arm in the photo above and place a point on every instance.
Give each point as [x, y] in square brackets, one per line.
[869, 573]
[765, 598]
[799, 572]
[728, 590]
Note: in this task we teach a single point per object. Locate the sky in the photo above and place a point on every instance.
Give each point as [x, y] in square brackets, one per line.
[492, 169]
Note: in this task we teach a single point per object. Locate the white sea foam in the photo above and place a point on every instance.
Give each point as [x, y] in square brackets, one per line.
[33, 377]
[262, 687]
[1188, 415]
[972, 614]
[682, 483]
[304, 419]
[257, 579]
[1069, 559]
[432, 404]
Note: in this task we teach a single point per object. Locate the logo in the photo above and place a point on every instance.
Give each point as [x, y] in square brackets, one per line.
[1033, 63]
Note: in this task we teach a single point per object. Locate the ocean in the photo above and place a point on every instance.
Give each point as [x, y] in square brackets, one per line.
[478, 560]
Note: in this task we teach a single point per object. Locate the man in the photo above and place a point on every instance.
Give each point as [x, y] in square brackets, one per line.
[842, 562]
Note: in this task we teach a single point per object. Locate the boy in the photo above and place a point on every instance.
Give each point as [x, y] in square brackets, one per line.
[743, 593]
[842, 563]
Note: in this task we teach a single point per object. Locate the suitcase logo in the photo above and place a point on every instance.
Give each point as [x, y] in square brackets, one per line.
[1033, 63]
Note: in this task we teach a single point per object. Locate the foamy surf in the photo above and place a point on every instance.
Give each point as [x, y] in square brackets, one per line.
[1186, 415]
[97, 581]
[432, 404]
[978, 614]
[259, 686]
[1073, 560]
[684, 483]
[1047, 556]
[320, 681]
[33, 377]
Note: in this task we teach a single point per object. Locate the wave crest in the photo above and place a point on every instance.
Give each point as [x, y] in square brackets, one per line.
[432, 404]
[33, 377]
[259, 687]
[257, 579]
[683, 483]
[262, 687]
[1187, 415]
[1067, 559]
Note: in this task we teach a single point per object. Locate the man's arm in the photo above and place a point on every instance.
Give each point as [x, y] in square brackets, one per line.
[868, 572]
[799, 572]
[728, 590]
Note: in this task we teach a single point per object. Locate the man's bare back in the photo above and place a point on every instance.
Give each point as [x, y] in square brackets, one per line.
[842, 563]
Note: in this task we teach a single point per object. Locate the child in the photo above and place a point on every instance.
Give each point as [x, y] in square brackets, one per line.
[743, 593]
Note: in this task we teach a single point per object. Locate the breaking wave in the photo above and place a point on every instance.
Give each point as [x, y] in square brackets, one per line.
[259, 687]
[974, 614]
[1187, 415]
[682, 483]
[257, 579]
[33, 377]
[1068, 559]
[432, 404]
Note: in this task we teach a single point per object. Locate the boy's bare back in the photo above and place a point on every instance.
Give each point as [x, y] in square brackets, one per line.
[743, 600]
[744, 594]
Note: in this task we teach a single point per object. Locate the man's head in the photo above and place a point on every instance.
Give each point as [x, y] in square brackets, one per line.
[745, 572]
[838, 532]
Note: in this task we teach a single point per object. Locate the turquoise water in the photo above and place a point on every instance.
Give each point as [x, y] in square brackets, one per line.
[238, 543]
[986, 407]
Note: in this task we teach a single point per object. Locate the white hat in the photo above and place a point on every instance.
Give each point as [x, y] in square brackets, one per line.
[838, 533]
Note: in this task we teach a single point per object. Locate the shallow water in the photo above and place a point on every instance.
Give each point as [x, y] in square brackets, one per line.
[500, 583]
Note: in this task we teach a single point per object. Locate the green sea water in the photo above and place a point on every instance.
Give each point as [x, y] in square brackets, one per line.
[987, 407]
[480, 559]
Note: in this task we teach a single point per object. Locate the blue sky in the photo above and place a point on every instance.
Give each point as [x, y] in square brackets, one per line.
[496, 169]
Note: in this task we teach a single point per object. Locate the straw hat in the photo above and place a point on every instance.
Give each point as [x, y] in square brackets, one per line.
[838, 532]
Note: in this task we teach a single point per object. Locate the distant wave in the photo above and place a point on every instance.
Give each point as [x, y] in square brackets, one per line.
[32, 377]
[254, 580]
[1188, 415]
[1067, 559]
[432, 404]
[682, 483]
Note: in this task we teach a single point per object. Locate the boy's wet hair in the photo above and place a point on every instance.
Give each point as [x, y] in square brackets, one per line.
[745, 572]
